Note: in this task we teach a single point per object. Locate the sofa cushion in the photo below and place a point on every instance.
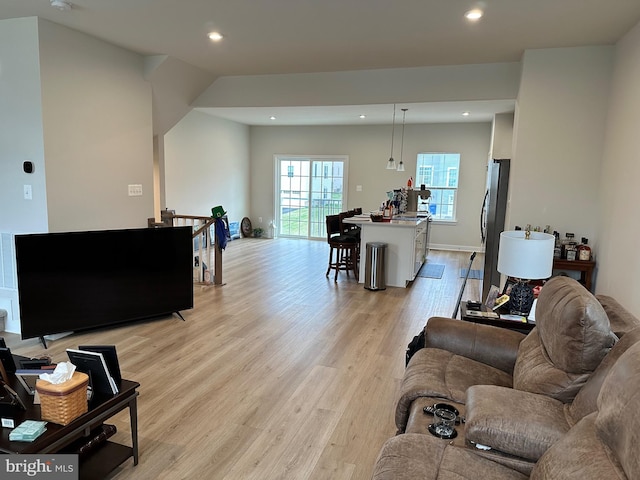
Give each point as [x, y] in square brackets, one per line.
[461, 463]
[621, 320]
[438, 373]
[414, 456]
[578, 455]
[519, 423]
[535, 373]
[618, 424]
[587, 398]
[409, 456]
[495, 346]
[573, 326]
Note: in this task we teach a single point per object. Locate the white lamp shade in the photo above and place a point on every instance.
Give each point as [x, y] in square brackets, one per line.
[524, 258]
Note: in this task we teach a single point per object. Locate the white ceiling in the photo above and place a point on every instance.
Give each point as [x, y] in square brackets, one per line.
[302, 36]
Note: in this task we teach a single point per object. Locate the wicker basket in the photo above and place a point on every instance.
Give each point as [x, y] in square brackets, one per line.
[64, 402]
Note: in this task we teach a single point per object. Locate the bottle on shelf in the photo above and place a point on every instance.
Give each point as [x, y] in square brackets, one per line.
[584, 250]
[557, 248]
[568, 239]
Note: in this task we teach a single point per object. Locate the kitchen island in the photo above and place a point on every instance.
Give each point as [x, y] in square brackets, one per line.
[407, 238]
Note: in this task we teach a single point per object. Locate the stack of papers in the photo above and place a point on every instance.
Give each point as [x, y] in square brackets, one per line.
[27, 431]
[481, 314]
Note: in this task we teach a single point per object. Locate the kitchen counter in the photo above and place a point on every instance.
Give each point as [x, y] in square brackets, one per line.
[407, 239]
[397, 221]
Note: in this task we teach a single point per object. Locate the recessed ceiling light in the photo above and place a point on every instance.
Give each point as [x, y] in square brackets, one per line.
[363, 116]
[465, 114]
[272, 117]
[473, 15]
[61, 5]
[215, 36]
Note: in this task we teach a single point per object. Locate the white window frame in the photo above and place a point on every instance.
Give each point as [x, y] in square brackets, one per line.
[445, 212]
[317, 230]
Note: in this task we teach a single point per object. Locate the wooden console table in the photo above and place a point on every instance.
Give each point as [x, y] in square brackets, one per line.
[583, 266]
[98, 464]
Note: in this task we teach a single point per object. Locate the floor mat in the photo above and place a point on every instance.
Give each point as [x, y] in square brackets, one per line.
[431, 270]
[473, 274]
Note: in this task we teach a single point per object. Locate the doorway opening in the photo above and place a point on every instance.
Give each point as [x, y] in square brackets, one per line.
[309, 188]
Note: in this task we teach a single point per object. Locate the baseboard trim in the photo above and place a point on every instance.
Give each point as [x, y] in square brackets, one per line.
[457, 248]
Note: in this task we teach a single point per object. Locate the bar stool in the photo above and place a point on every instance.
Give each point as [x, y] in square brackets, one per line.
[350, 229]
[344, 246]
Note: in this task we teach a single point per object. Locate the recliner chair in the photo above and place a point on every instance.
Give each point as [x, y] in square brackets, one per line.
[570, 340]
[602, 445]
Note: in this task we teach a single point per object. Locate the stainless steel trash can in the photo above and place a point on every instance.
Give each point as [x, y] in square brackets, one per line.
[374, 267]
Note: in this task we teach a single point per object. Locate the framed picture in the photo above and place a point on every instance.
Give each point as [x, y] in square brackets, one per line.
[493, 294]
[508, 285]
[28, 378]
[94, 365]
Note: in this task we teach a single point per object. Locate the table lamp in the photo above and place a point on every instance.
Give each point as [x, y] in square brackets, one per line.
[524, 255]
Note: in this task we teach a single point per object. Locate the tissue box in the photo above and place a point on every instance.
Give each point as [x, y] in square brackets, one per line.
[64, 402]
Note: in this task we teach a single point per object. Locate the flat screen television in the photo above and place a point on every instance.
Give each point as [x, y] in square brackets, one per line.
[80, 280]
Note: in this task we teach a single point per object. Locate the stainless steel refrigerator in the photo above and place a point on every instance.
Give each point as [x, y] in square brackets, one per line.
[492, 218]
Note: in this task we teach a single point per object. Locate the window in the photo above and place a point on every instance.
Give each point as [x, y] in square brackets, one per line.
[439, 173]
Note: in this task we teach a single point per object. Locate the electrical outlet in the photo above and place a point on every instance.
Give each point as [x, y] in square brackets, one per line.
[260, 219]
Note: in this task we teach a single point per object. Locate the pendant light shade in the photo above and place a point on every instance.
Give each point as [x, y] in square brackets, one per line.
[401, 164]
[391, 164]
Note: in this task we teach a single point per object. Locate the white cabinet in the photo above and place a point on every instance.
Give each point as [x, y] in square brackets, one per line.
[420, 246]
[406, 247]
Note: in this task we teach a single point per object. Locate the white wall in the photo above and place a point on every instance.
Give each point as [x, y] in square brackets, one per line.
[368, 148]
[207, 164]
[491, 81]
[21, 128]
[619, 267]
[97, 127]
[502, 136]
[175, 86]
[80, 110]
[559, 138]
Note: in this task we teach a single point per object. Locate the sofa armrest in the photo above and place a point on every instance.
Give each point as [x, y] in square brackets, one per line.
[511, 421]
[494, 346]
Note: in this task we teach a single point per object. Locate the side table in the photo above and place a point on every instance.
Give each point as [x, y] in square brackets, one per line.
[583, 266]
[523, 327]
[102, 407]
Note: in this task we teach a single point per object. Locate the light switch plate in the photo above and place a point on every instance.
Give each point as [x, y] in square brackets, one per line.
[135, 190]
[28, 192]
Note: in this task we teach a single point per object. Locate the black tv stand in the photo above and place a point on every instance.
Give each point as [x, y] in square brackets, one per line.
[180, 315]
[44, 342]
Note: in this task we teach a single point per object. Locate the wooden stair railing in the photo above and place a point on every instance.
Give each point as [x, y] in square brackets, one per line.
[204, 254]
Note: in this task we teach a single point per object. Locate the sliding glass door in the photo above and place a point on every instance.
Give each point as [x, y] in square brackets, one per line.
[308, 189]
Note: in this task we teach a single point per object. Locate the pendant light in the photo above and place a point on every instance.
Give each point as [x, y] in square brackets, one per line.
[391, 164]
[401, 164]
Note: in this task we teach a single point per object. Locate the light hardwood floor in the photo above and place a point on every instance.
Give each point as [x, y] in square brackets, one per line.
[279, 374]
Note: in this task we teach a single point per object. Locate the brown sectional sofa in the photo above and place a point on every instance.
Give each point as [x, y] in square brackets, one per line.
[521, 395]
